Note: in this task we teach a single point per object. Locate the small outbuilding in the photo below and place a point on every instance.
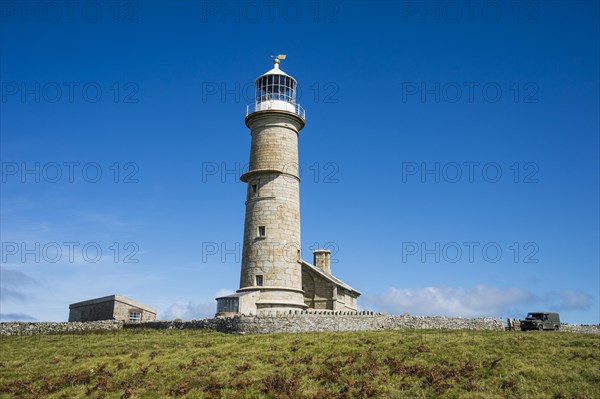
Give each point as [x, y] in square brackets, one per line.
[112, 307]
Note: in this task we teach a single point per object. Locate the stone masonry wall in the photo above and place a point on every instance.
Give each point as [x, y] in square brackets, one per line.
[122, 309]
[581, 328]
[318, 292]
[275, 207]
[94, 311]
[296, 323]
[327, 321]
[514, 325]
[43, 328]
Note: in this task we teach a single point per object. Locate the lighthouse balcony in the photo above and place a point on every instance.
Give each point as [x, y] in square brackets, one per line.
[276, 105]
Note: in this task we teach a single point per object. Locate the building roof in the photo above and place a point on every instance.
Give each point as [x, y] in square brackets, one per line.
[329, 277]
[275, 71]
[116, 298]
[236, 295]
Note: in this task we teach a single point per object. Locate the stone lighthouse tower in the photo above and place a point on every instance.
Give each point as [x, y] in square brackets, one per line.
[274, 278]
[271, 267]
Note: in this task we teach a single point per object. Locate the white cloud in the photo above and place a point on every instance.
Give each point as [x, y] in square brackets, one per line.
[480, 300]
[16, 317]
[189, 310]
[12, 283]
[14, 277]
[223, 292]
[569, 300]
[6, 294]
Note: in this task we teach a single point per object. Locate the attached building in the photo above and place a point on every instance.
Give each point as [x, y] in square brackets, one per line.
[322, 291]
[112, 307]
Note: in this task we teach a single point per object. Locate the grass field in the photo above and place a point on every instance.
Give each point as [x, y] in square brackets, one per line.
[377, 364]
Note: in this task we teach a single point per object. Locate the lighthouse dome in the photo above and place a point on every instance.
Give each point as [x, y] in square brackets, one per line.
[276, 90]
[275, 71]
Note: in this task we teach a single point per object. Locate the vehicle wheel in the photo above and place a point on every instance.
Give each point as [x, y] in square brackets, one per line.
[556, 328]
[541, 327]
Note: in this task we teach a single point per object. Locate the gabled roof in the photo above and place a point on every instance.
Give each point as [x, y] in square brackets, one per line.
[329, 277]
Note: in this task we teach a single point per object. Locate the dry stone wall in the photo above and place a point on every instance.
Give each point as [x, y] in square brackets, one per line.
[581, 328]
[43, 328]
[326, 321]
[514, 325]
[294, 322]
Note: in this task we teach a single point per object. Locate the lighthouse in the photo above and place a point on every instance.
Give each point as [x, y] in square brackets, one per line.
[274, 278]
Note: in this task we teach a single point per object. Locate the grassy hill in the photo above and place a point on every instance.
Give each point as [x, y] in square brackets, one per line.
[376, 364]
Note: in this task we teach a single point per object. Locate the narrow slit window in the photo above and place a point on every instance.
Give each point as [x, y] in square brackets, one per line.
[259, 280]
[254, 188]
[262, 231]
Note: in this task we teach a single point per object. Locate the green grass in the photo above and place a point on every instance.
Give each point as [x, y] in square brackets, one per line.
[376, 364]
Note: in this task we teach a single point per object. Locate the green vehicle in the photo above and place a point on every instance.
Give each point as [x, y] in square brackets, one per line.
[541, 321]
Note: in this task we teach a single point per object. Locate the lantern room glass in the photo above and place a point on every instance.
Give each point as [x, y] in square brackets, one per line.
[276, 88]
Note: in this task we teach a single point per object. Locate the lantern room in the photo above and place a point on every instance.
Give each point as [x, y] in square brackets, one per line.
[276, 90]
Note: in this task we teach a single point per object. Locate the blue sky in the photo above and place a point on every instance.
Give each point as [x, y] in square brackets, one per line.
[450, 158]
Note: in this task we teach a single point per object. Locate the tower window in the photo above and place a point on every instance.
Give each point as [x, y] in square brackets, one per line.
[254, 188]
[262, 231]
[259, 280]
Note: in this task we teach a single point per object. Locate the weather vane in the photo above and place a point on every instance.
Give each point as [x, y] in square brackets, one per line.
[277, 58]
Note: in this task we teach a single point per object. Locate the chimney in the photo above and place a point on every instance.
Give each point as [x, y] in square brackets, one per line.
[321, 259]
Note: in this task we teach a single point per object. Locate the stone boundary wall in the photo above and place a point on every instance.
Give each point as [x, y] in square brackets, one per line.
[581, 328]
[295, 322]
[514, 325]
[43, 328]
[325, 321]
